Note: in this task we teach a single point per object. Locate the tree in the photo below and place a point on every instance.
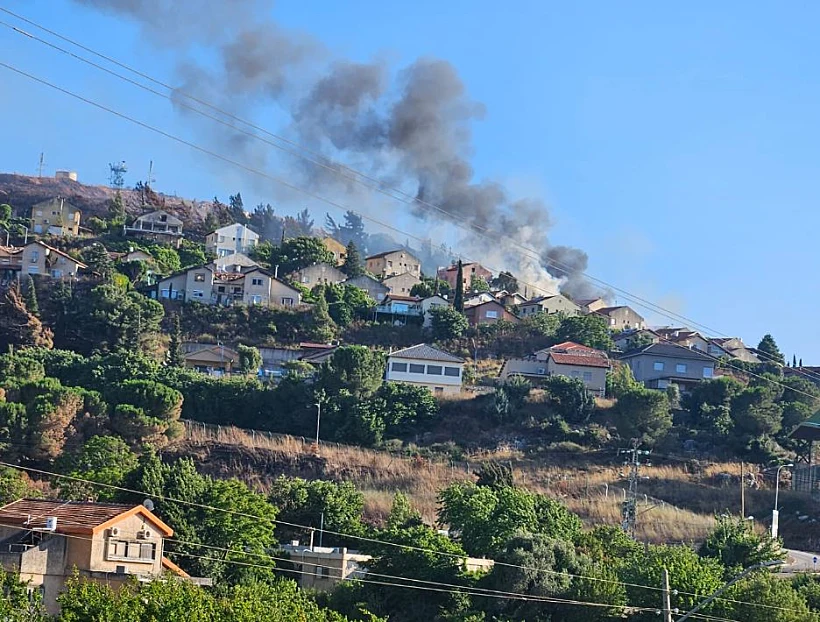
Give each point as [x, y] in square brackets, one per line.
[18, 326]
[458, 301]
[620, 380]
[176, 358]
[120, 319]
[353, 266]
[478, 284]
[402, 514]
[237, 208]
[5, 212]
[736, 545]
[98, 259]
[191, 254]
[569, 398]
[116, 209]
[31, 297]
[14, 484]
[755, 413]
[771, 353]
[356, 369]
[644, 414]
[447, 323]
[250, 360]
[103, 459]
[764, 597]
[322, 328]
[505, 281]
[295, 253]
[588, 330]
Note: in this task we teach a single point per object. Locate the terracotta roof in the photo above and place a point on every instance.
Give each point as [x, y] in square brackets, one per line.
[426, 353]
[75, 517]
[583, 360]
[571, 345]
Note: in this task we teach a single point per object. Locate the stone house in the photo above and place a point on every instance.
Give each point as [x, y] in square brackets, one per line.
[40, 258]
[374, 288]
[401, 283]
[468, 271]
[555, 303]
[159, 226]
[392, 263]
[621, 318]
[338, 249]
[318, 274]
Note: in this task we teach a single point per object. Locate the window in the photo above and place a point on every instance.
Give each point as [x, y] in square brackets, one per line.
[587, 376]
[434, 370]
[416, 369]
[576, 373]
[237, 290]
[131, 550]
[256, 282]
[221, 289]
[707, 372]
[399, 367]
[197, 293]
[658, 366]
[199, 277]
[663, 384]
[453, 372]
[680, 368]
[439, 390]
[56, 273]
[492, 315]
[288, 302]
[256, 300]
[35, 256]
[33, 270]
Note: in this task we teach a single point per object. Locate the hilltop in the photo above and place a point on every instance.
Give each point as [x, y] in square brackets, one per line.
[22, 191]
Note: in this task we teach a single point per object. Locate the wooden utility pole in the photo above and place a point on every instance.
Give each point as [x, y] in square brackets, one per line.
[667, 601]
[742, 492]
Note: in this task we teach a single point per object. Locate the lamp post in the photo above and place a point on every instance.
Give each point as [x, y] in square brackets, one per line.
[775, 514]
[318, 420]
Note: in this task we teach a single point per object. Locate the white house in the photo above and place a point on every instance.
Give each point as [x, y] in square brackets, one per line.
[426, 366]
[431, 303]
[231, 239]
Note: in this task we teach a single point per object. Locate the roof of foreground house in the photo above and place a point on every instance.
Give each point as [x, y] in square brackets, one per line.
[670, 350]
[74, 517]
[571, 353]
[426, 353]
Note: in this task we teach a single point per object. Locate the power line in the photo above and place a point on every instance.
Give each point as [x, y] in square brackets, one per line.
[333, 166]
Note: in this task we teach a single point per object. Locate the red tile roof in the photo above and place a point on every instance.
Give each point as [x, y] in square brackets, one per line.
[74, 516]
[582, 360]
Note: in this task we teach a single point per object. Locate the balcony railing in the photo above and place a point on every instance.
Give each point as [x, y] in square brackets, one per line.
[415, 311]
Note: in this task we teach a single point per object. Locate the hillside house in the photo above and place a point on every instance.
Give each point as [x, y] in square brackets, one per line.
[159, 226]
[393, 263]
[338, 249]
[468, 271]
[398, 309]
[216, 360]
[401, 283]
[249, 286]
[324, 567]
[230, 239]
[45, 542]
[426, 366]
[621, 318]
[11, 261]
[510, 300]
[374, 288]
[40, 258]
[732, 347]
[569, 359]
[630, 339]
[234, 262]
[318, 274]
[432, 302]
[555, 303]
[488, 312]
[55, 217]
[590, 305]
[477, 299]
[658, 365]
[135, 254]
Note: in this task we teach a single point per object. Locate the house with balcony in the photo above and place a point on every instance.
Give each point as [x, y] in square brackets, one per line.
[555, 303]
[658, 365]
[40, 258]
[230, 239]
[159, 226]
[55, 217]
[569, 359]
[214, 360]
[426, 366]
[398, 309]
[392, 263]
[46, 542]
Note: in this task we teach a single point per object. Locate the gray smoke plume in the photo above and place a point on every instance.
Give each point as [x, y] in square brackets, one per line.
[414, 132]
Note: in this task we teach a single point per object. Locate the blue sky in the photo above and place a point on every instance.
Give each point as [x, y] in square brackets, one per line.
[677, 145]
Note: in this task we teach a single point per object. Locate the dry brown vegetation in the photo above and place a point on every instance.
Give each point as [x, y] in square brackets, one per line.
[677, 502]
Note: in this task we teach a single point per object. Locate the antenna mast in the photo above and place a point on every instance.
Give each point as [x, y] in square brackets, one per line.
[629, 512]
[41, 165]
[150, 179]
[116, 178]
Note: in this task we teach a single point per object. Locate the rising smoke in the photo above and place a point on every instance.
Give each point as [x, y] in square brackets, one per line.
[410, 127]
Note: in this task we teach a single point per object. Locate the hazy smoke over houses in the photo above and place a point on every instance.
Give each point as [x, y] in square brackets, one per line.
[409, 127]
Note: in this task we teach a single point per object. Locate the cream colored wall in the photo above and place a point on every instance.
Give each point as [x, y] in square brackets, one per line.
[177, 283]
[597, 383]
[128, 531]
[279, 290]
[263, 290]
[205, 286]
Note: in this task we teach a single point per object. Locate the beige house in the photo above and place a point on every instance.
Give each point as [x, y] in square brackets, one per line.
[621, 318]
[250, 285]
[215, 360]
[393, 263]
[132, 255]
[426, 366]
[45, 542]
[510, 300]
[233, 262]
[55, 217]
[432, 302]
[374, 288]
[488, 312]
[468, 271]
[338, 249]
[401, 284]
[159, 225]
[322, 567]
[231, 239]
[40, 258]
[549, 304]
[11, 261]
[568, 359]
[318, 274]
[590, 305]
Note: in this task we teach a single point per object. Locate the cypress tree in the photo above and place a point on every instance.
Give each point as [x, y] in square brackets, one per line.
[175, 356]
[352, 266]
[794, 360]
[31, 297]
[458, 301]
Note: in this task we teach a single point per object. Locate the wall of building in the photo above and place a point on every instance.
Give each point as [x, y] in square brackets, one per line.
[401, 284]
[594, 378]
[447, 384]
[643, 367]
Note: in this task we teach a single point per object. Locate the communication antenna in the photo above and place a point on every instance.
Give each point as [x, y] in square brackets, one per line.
[41, 165]
[149, 181]
[116, 178]
[629, 507]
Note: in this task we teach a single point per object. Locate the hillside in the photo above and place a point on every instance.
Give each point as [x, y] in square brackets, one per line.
[21, 192]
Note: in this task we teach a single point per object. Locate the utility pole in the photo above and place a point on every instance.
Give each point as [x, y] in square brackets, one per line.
[742, 491]
[667, 597]
[629, 508]
[42, 164]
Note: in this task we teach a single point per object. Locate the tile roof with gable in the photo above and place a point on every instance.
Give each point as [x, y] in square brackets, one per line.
[583, 360]
[426, 352]
[385, 253]
[74, 517]
[61, 253]
[670, 350]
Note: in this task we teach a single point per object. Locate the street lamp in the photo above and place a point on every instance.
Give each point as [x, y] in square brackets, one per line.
[776, 494]
[318, 419]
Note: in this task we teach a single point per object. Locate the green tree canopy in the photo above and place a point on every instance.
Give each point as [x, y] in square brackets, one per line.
[250, 360]
[589, 330]
[447, 323]
[354, 368]
[643, 414]
[736, 545]
[103, 459]
[771, 353]
[353, 265]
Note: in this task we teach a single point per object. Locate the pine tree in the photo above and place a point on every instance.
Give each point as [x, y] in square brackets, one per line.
[31, 297]
[175, 356]
[323, 328]
[772, 354]
[458, 301]
[353, 261]
[801, 362]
